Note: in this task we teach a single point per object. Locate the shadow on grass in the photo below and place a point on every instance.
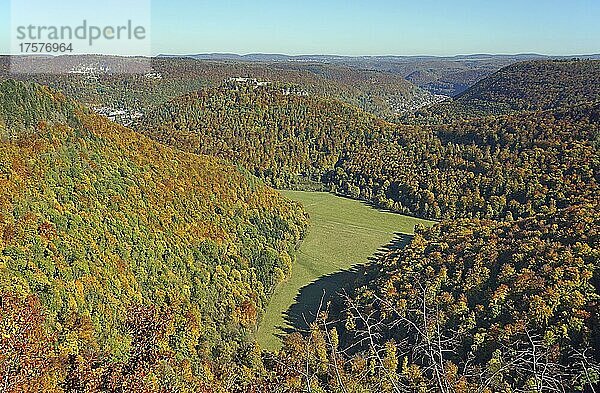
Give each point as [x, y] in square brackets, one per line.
[327, 288]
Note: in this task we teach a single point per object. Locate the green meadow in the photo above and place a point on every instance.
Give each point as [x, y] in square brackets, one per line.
[343, 233]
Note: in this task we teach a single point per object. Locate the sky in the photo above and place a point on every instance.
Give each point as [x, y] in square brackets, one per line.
[357, 27]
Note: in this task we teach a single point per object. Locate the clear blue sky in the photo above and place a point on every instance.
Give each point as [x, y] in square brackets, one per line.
[375, 27]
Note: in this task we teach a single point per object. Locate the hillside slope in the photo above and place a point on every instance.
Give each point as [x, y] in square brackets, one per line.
[468, 305]
[96, 219]
[275, 132]
[506, 167]
[538, 85]
[525, 86]
[501, 168]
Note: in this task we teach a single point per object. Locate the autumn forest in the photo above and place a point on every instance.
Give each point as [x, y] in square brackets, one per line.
[143, 232]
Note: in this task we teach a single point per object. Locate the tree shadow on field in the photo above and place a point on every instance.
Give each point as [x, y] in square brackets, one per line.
[327, 288]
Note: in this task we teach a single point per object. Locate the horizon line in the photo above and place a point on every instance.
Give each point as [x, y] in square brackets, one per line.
[305, 55]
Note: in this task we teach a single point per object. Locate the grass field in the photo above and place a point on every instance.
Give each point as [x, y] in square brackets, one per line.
[343, 233]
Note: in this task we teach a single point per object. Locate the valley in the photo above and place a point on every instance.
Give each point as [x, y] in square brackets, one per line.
[343, 234]
[145, 245]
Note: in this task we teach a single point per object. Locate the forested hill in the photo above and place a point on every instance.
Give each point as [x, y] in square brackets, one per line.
[525, 86]
[379, 92]
[539, 85]
[471, 306]
[275, 131]
[117, 235]
[503, 168]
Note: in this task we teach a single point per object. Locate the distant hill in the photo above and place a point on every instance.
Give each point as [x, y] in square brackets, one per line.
[438, 75]
[538, 85]
[358, 59]
[382, 93]
[96, 220]
[444, 75]
[385, 86]
[525, 86]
